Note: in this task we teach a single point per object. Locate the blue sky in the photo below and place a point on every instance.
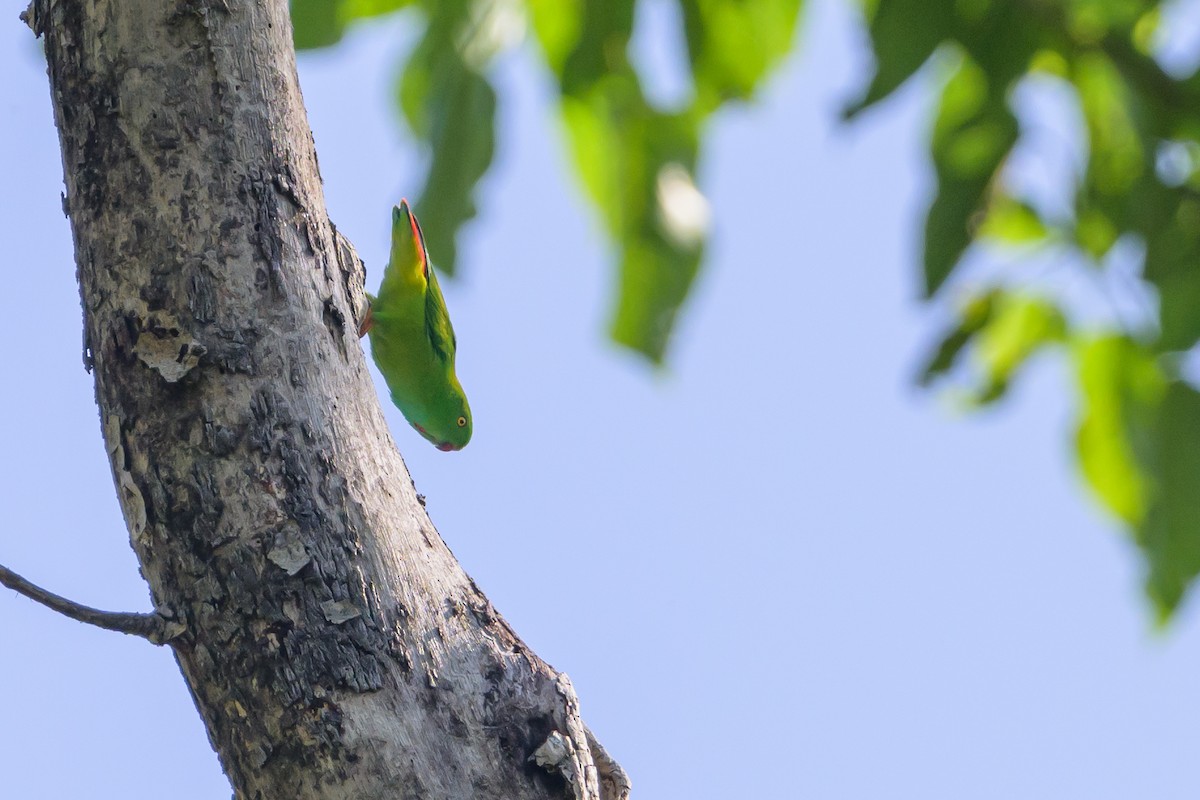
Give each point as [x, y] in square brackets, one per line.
[773, 570]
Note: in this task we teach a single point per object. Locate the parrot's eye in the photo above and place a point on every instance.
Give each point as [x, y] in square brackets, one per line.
[462, 422]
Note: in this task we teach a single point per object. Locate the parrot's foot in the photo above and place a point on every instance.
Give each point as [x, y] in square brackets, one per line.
[367, 323]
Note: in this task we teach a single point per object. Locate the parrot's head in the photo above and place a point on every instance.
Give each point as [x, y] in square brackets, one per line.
[449, 428]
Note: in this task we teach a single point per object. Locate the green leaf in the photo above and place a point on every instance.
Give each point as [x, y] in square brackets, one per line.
[904, 34]
[1139, 448]
[557, 26]
[451, 107]
[462, 137]
[655, 279]
[1119, 385]
[1003, 38]
[733, 44]
[605, 152]
[1173, 264]
[1170, 536]
[321, 23]
[1012, 221]
[1089, 21]
[365, 9]
[316, 23]
[1018, 327]
[974, 315]
[1001, 331]
[974, 132]
[638, 165]
[600, 48]
[1117, 155]
[1095, 233]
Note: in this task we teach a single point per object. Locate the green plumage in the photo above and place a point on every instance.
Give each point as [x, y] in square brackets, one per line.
[413, 342]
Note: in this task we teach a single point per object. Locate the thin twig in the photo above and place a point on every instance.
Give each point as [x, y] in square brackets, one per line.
[154, 628]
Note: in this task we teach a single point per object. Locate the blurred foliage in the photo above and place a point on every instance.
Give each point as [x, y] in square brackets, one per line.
[1137, 186]
[1138, 436]
[636, 161]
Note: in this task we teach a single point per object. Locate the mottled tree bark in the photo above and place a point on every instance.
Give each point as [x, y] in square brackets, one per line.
[334, 647]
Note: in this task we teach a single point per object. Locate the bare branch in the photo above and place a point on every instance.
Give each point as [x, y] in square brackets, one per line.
[154, 628]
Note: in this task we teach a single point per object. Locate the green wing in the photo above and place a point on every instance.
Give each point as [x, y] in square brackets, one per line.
[419, 371]
[437, 320]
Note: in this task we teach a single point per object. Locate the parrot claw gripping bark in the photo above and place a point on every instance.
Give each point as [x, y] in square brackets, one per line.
[413, 342]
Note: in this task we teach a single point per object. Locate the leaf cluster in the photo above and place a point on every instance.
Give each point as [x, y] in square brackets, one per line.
[1139, 416]
[637, 162]
[1136, 190]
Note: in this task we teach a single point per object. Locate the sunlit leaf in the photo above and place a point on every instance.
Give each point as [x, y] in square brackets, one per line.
[1139, 182]
[973, 316]
[1018, 327]
[1117, 158]
[462, 135]
[1000, 331]
[1095, 233]
[1139, 448]
[557, 25]
[637, 163]
[973, 133]
[1089, 21]
[364, 9]
[1146, 28]
[732, 44]
[1012, 221]
[1119, 386]
[601, 147]
[451, 107]
[1050, 62]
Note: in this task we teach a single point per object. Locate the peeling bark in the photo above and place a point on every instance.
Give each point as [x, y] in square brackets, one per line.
[333, 645]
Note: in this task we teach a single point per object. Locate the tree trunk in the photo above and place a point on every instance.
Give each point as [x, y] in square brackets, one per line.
[333, 645]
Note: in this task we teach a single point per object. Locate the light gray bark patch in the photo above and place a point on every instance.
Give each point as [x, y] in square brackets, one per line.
[555, 755]
[164, 348]
[289, 555]
[339, 611]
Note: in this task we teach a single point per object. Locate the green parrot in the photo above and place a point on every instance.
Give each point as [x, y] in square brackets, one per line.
[413, 342]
